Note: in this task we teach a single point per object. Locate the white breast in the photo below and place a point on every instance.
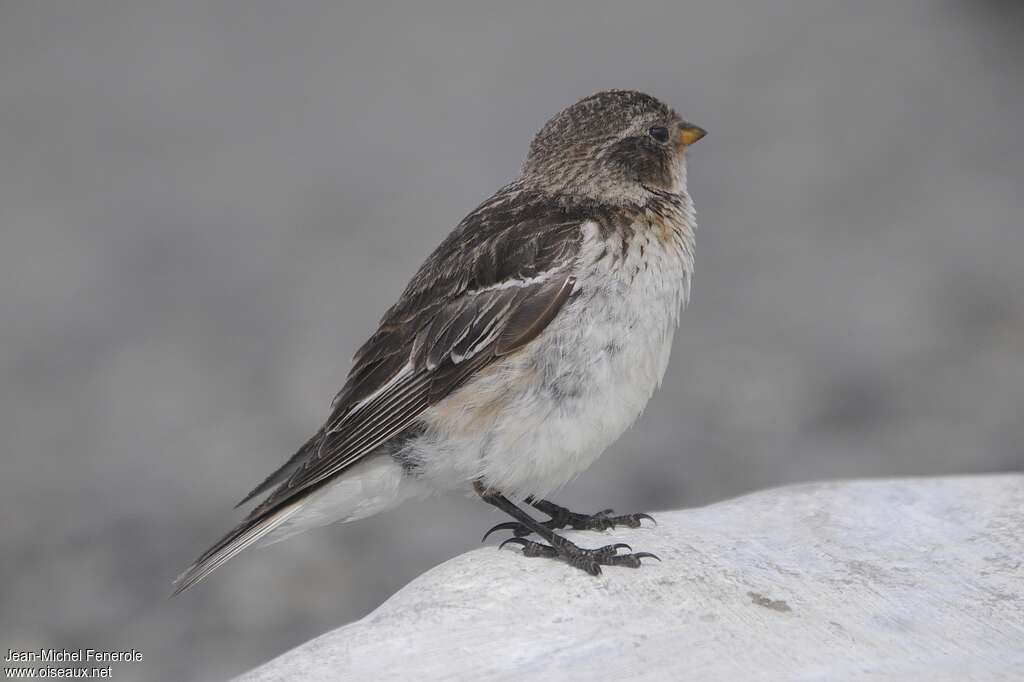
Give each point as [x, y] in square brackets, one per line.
[530, 423]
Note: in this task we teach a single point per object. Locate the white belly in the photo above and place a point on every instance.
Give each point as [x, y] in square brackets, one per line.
[530, 423]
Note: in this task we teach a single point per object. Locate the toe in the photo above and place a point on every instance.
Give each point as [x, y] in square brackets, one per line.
[627, 560]
[586, 563]
[531, 548]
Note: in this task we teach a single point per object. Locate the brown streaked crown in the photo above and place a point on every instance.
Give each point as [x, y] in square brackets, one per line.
[610, 146]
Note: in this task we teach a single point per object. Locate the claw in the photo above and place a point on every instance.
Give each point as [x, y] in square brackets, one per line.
[510, 525]
[631, 520]
[641, 517]
[647, 555]
[621, 545]
[514, 540]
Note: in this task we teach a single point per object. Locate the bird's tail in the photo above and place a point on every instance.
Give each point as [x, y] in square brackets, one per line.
[243, 536]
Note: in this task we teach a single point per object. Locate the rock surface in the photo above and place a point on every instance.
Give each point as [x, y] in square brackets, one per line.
[880, 580]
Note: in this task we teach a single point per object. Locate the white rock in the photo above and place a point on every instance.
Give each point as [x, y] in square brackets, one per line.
[914, 579]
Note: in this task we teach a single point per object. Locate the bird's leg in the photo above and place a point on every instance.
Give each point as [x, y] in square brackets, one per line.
[589, 560]
[563, 518]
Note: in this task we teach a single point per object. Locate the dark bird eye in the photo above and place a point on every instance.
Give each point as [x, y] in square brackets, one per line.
[659, 133]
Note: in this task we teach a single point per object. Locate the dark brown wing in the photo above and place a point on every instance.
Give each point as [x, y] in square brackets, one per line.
[461, 338]
[490, 288]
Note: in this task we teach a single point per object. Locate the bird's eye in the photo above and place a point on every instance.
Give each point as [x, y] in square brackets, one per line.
[659, 133]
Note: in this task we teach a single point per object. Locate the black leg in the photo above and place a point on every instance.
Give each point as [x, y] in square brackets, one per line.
[563, 518]
[589, 560]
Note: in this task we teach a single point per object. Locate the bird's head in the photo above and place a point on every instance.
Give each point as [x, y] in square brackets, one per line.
[614, 146]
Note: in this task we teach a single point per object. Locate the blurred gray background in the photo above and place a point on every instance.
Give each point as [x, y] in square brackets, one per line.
[205, 206]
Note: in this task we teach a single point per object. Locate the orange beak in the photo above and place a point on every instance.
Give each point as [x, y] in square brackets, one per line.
[689, 133]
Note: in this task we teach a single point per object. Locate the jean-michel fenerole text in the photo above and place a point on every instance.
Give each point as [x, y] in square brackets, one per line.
[73, 655]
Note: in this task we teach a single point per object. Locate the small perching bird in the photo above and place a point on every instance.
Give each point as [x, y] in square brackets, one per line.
[523, 347]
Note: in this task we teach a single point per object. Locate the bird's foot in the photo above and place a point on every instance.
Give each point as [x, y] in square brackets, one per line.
[588, 560]
[563, 518]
